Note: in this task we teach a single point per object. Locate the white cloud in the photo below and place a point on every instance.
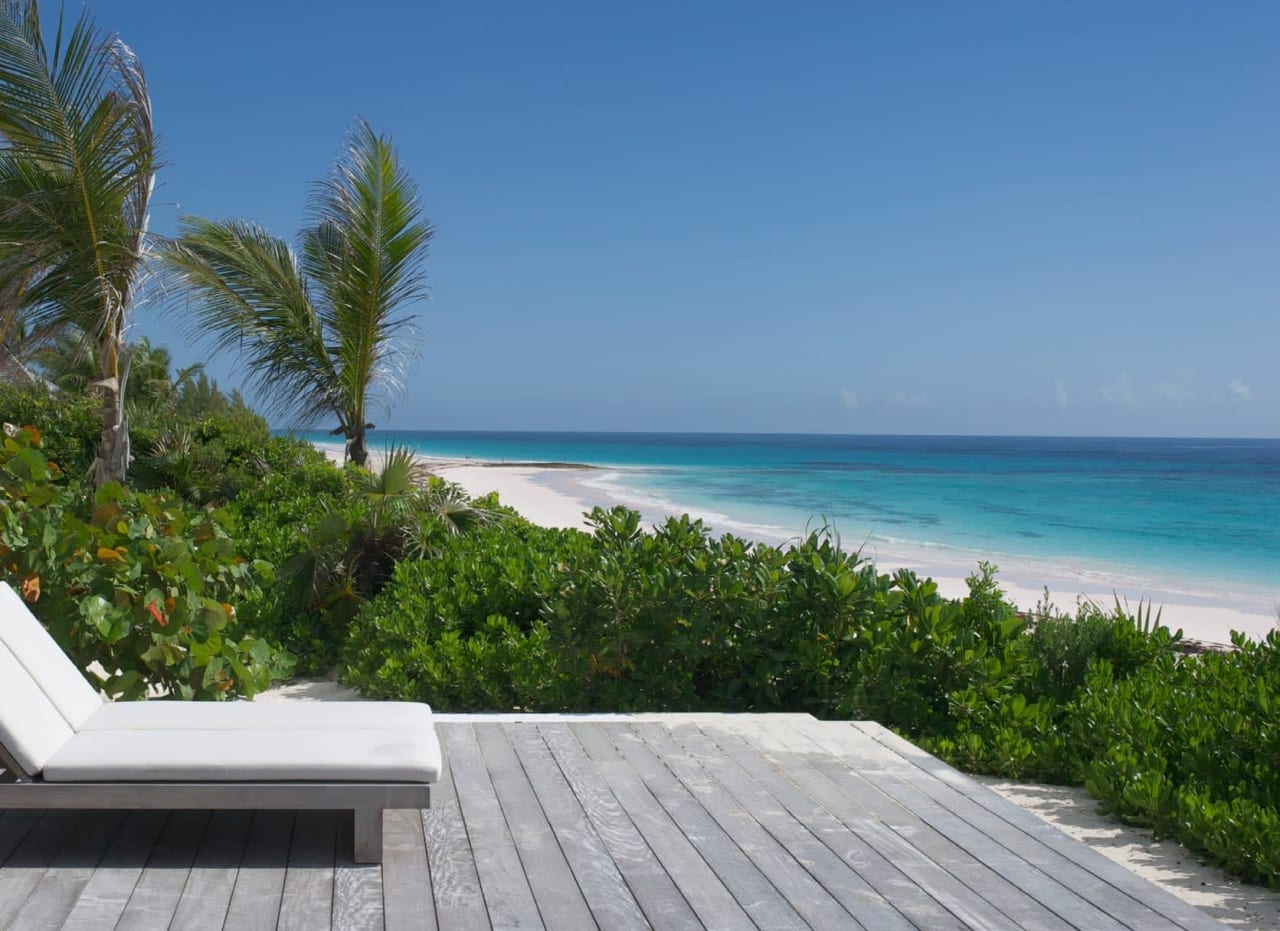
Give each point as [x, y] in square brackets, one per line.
[1240, 390]
[849, 397]
[1176, 391]
[1121, 393]
[1060, 394]
[900, 398]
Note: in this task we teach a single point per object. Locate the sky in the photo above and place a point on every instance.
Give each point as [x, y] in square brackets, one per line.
[855, 217]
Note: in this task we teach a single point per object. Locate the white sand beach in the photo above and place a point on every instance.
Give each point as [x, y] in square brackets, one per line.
[560, 497]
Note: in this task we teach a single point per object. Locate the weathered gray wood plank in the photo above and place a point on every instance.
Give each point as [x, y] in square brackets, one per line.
[14, 825]
[506, 889]
[357, 887]
[156, 895]
[306, 902]
[207, 894]
[259, 888]
[455, 886]
[560, 900]
[803, 767]
[744, 819]
[1121, 879]
[976, 887]
[606, 893]
[759, 897]
[913, 900]
[646, 875]
[837, 876]
[103, 899]
[1007, 881]
[706, 893]
[406, 881]
[26, 865]
[1071, 892]
[51, 901]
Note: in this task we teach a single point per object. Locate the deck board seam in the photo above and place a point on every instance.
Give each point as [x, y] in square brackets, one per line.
[807, 829]
[790, 860]
[710, 817]
[1017, 895]
[1011, 814]
[985, 821]
[665, 821]
[721, 738]
[501, 731]
[506, 821]
[621, 810]
[915, 856]
[886, 780]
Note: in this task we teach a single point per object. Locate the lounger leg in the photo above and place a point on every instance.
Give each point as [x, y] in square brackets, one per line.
[368, 835]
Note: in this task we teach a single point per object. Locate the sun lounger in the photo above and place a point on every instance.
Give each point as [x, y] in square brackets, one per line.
[62, 746]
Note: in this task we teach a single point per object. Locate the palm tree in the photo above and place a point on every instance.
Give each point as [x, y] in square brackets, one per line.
[323, 329]
[77, 167]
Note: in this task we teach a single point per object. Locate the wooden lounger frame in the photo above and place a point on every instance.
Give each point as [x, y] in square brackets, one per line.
[365, 800]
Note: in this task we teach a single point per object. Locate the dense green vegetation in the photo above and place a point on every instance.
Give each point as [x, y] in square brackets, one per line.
[251, 555]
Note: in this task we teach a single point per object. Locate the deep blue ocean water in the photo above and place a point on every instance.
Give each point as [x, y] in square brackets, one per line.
[1186, 509]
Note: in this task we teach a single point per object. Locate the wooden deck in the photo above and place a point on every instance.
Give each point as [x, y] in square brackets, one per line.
[666, 821]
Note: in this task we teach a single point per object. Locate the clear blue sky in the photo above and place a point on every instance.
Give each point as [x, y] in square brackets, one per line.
[849, 217]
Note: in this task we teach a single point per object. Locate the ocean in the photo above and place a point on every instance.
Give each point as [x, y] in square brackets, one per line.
[1191, 515]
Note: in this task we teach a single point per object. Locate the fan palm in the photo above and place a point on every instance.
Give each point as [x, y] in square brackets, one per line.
[325, 329]
[77, 167]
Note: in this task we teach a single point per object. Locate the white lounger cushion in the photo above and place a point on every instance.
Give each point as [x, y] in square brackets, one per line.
[44, 660]
[298, 755]
[31, 727]
[407, 717]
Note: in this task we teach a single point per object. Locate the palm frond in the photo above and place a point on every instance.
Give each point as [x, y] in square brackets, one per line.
[77, 172]
[366, 253]
[253, 300]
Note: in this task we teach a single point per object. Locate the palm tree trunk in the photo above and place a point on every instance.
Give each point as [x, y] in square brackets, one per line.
[112, 461]
[357, 451]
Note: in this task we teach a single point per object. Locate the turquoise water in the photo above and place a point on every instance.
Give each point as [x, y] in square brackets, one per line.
[1184, 509]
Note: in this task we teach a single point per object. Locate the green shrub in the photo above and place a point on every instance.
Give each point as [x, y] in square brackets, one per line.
[69, 423]
[1190, 746]
[675, 619]
[920, 651]
[461, 631]
[141, 584]
[206, 461]
[1063, 647]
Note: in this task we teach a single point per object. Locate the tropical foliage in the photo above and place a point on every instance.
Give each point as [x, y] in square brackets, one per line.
[143, 586]
[326, 330]
[77, 167]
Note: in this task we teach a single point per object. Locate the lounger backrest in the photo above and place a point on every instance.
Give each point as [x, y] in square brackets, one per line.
[55, 676]
[31, 727]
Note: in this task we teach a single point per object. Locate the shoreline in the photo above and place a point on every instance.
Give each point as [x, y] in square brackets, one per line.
[557, 494]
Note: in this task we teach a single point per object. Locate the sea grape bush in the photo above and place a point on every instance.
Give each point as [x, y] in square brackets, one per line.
[1190, 746]
[678, 619]
[142, 585]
